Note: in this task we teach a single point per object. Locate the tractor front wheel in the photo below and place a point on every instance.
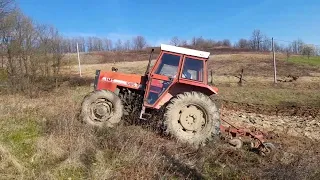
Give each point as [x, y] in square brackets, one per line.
[101, 108]
[193, 118]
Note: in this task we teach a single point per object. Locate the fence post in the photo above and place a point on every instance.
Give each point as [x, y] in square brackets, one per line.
[79, 59]
[274, 62]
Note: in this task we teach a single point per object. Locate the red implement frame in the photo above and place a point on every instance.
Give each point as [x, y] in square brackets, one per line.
[256, 137]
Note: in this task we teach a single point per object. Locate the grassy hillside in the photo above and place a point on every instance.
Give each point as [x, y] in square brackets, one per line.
[42, 138]
[314, 60]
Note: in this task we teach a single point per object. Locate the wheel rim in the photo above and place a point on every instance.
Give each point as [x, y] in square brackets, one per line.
[192, 119]
[101, 110]
[267, 149]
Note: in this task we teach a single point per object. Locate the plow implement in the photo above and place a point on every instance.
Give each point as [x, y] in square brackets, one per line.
[237, 137]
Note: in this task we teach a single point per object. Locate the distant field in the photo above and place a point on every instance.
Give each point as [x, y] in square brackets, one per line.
[258, 87]
[221, 64]
[314, 60]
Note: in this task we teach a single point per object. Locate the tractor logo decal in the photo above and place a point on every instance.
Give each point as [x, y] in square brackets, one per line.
[107, 79]
[126, 83]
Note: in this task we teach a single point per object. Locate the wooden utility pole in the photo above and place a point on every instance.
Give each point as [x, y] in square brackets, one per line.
[79, 60]
[274, 62]
[211, 74]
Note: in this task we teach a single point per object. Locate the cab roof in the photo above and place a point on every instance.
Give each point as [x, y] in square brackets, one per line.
[185, 51]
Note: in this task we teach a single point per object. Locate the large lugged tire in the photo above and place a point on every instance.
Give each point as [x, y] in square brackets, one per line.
[101, 108]
[192, 118]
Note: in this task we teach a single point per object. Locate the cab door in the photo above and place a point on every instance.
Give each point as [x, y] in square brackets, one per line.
[163, 75]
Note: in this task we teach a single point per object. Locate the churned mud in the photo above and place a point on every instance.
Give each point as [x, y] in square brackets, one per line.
[298, 126]
[285, 109]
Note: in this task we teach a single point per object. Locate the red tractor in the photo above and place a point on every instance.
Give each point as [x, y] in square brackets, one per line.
[177, 86]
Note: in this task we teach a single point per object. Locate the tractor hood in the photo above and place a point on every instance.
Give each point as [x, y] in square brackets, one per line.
[111, 80]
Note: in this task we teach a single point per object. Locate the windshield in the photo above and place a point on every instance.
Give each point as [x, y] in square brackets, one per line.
[169, 65]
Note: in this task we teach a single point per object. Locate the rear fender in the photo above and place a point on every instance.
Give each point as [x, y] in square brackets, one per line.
[181, 88]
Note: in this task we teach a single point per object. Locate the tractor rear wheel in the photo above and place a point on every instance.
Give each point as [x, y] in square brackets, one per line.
[192, 118]
[101, 108]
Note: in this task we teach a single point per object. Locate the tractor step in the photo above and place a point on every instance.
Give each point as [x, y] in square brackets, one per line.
[144, 115]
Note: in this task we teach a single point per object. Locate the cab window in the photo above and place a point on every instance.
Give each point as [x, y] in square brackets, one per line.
[169, 65]
[192, 69]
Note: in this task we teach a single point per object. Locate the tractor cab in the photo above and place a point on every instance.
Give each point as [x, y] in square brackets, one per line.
[176, 70]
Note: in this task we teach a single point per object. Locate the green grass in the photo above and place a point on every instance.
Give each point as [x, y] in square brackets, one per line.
[20, 135]
[314, 60]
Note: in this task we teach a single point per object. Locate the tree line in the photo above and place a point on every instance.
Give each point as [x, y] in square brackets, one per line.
[257, 42]
[92, 43]
[28, 50]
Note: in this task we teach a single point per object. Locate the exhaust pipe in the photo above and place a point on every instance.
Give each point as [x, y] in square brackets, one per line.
[148, 67]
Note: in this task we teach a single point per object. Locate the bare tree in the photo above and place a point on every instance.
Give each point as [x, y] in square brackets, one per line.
[108, 44]
[279, 47]
[127, 45]
[308, 50]
[243, 43]
[118, 45]
[82, 44]
[194, 42]
[219, 43]
[139, 42]
[226, 42]
[288, 52]
[6, 6]
[184, 43]
[256, 39]
[297, 46]
[266, 44]
[198, 42]
[31, 51]
[98, 44]
[89, 42]
[300, 46]
[211, 43]
[175, 41]
[317, 51]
